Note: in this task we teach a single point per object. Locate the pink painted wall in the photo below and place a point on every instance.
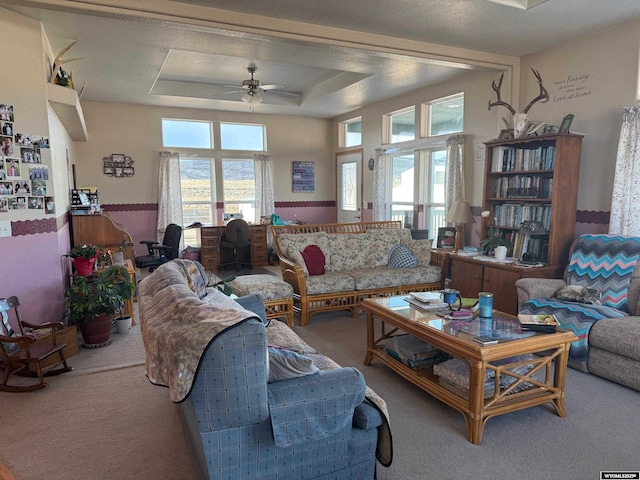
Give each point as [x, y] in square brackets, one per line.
[141, 225]
[33, 272]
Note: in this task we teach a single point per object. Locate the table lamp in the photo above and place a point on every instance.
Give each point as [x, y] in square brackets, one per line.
[459, 214]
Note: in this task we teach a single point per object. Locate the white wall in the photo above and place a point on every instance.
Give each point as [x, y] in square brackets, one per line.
[135, 130]
[593, 78]
[31, 260]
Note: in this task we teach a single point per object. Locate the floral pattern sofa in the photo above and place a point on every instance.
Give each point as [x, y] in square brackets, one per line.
[380, 261]
[217, 357]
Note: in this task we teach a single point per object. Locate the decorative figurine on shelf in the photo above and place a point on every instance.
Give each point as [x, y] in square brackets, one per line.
[521, 123]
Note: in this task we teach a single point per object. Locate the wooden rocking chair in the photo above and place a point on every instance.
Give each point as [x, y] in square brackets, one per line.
[19, 354]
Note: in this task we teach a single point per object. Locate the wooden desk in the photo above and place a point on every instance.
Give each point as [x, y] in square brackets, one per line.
[100, 229]
[210, 255]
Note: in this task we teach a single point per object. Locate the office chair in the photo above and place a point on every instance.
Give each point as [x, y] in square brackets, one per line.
[236, 239]
[20, 355]
[161, 253]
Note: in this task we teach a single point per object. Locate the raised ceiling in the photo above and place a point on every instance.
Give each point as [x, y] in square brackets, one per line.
[336, 55]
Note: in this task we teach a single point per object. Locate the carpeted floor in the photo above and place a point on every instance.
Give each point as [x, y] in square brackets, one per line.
[105, 420]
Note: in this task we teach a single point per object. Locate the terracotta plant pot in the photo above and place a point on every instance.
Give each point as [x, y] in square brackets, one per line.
[97, 333]
[84, 266]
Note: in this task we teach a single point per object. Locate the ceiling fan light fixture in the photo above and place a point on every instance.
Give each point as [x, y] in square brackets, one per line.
[252, 98]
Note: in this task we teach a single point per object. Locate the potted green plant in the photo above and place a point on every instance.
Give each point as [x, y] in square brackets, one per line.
[492, 242]
[84, 257]
[92, 301]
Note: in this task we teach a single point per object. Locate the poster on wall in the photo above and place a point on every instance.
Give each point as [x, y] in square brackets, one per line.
[303, 177]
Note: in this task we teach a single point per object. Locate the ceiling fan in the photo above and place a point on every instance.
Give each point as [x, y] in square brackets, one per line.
[253, 89]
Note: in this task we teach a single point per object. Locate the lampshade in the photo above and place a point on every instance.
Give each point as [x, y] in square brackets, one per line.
[460, 212]
[252, 98]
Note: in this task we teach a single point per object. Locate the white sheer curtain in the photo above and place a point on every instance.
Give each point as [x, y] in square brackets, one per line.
[454, 179]
[263, 174]
[625, 201]
[169, 193]
[380, 186]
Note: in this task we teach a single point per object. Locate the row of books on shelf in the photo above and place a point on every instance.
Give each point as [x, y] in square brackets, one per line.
[513, 215]
[511, 159]
[523, 186]
[530, 248]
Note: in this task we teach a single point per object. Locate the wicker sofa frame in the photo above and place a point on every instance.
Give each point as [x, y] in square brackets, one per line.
[306, 305]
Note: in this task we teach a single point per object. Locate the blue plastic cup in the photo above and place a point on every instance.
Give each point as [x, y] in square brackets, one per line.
[486, 304]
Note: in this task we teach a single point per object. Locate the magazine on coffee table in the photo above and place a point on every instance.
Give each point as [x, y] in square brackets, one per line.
[426, 300]
[538, 323]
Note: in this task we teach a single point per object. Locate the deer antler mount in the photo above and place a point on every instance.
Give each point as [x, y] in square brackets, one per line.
[58, 75]
[521, 123]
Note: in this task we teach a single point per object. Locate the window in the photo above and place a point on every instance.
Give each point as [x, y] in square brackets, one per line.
[444, 116]
[242, 136]
[186, 134]
[434, 181]
[351, 132]
[239, 188]
[196, 185]
[400, 126]
[348, 192]
[418, 178]
[402, 187]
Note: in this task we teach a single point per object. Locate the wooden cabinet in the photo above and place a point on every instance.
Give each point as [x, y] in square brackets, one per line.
[100, 229]
[533, 179]
[210, 246]
[471, 276]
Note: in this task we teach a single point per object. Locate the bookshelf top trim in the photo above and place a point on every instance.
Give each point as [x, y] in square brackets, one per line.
[537, 138]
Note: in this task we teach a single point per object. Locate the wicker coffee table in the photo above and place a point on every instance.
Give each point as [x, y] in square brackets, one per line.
[528, 368]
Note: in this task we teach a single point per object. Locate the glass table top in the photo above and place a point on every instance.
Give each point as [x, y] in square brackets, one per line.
[500, 326]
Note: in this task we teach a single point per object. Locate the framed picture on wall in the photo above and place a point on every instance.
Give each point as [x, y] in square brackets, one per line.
[566, 123]
[446, 237]
[303, 177]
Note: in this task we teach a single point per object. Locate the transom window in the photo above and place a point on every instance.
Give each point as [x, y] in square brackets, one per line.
[444, 116]
[400, 126]
[242, 136]
[351, 133]
[186, 134]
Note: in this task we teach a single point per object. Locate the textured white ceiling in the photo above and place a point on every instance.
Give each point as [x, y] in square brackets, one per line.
[144, 59]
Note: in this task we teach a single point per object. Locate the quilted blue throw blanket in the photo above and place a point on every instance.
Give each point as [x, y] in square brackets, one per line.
[177, 326]
[602, 262]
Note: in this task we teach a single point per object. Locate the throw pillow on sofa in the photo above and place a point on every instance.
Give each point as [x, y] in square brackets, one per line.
[313, 259]
[286, 364]
[401, 257]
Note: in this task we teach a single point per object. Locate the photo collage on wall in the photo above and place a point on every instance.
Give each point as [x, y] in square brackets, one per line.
[23, 177]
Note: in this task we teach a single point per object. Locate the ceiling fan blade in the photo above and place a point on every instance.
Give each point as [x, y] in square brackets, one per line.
[271, 87]
[225, 85]
[282, 92]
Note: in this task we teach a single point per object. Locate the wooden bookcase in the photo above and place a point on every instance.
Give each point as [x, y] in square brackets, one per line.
[536, 174]
[533, 178]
